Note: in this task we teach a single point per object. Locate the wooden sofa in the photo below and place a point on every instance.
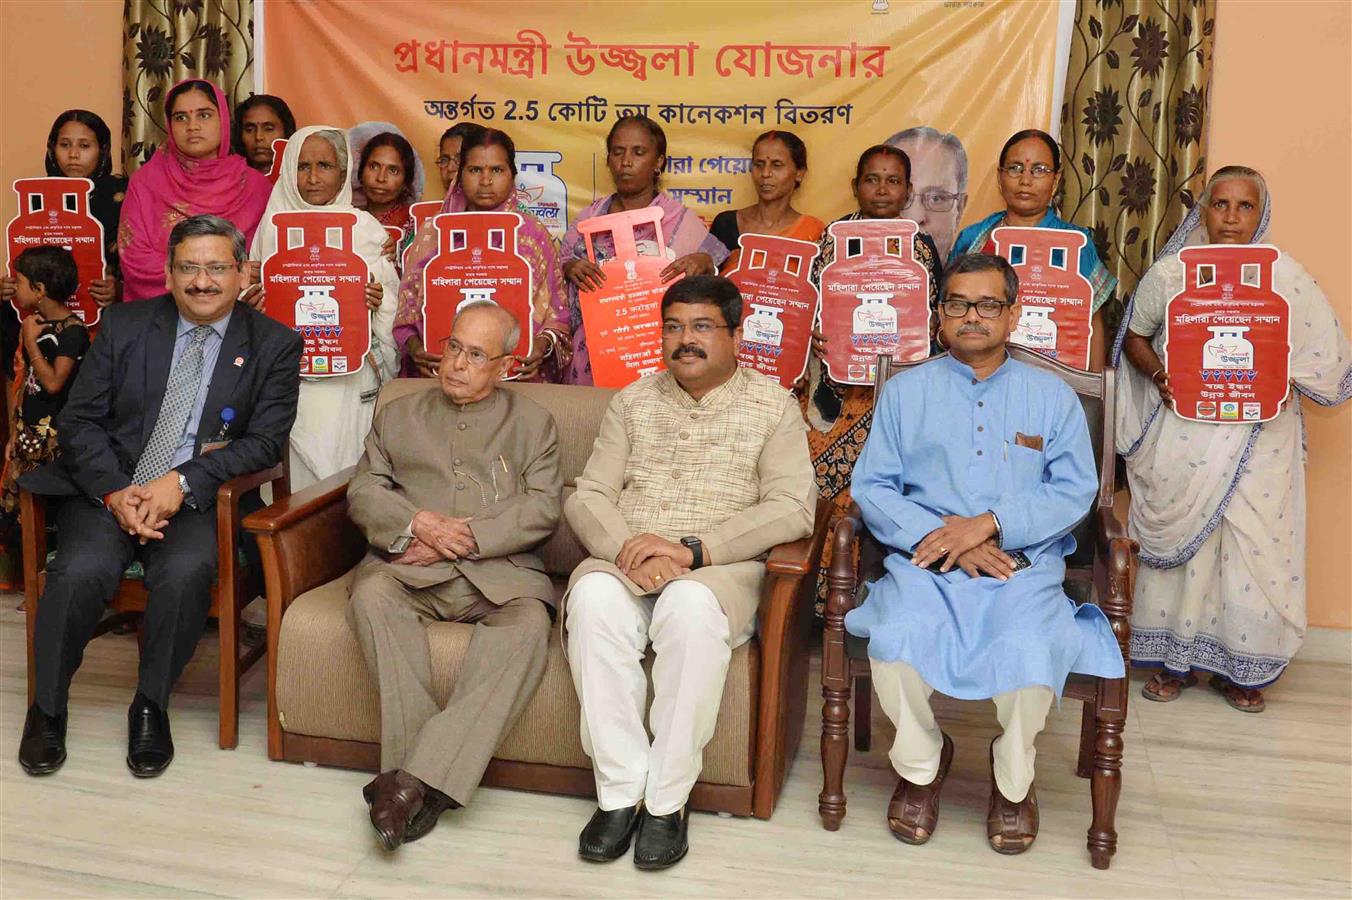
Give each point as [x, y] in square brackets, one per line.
[323, 706]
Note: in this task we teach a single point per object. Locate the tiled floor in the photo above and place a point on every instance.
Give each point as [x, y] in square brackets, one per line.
[1214, 804]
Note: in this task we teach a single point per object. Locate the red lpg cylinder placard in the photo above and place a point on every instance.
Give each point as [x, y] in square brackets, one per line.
[317, 286]
[1227, 336]
[476, 259]
[874, 299]
[422, 214]
[1055, 300]
[779, 304]
[623, 319]
[54, 212]
[278, 148]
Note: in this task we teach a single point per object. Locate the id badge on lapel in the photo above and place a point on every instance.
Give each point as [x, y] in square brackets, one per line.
[220, 439]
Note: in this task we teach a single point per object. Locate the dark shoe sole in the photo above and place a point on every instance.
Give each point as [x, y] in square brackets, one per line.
[38, 771]
[140, 772]
[603, 858]
[658, 866]
[906, 839]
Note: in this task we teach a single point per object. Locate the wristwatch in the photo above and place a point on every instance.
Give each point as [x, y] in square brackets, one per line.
[696, 549]
[187, 491]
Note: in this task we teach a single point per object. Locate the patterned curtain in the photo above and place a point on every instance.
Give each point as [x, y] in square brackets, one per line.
[166, 41]
[1133, 126]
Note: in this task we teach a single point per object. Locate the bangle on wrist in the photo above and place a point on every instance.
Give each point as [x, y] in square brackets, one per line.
[1156, 373]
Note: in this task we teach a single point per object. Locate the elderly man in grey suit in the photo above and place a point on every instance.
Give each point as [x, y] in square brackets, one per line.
[456, 488]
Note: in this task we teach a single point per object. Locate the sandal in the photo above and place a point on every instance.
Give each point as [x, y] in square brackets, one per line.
[1153, 689]
[1233, 693]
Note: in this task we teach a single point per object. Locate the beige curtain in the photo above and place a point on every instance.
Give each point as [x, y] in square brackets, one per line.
[1133, 126]
[166, 41]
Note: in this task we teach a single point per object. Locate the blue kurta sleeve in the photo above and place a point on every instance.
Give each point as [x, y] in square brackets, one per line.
[879, 476]
[1034, 513]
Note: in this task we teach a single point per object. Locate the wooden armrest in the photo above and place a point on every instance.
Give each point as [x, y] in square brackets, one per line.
[229, 494]
[299, 506]
[1111, 529]
[793, 558]
[842, 577]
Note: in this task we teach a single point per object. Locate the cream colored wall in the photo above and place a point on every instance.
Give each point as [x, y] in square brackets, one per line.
[54, 55]
[1281, 102]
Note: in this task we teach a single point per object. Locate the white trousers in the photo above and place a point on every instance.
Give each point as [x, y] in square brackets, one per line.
[904, 697]
[608, 630]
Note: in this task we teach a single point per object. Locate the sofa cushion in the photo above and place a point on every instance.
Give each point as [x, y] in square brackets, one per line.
[324, 690]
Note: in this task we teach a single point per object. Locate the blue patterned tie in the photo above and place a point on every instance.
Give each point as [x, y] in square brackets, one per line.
[179, 396]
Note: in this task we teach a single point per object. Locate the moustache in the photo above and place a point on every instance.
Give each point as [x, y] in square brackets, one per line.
[689, 350]
[972, 328]
[194, 292]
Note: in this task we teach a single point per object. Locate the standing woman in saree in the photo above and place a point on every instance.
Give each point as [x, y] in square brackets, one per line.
[486, 182]
[839, 416]
[387, 176]
[1028, 176]
[636, 154]
[778, 167]
[334, 412]
[192, 173]
[1219, 510]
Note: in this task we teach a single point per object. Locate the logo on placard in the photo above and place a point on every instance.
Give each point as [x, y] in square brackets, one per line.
[1230, 410]
[856, 372]
[304, 364]
[1206, 409]
[630, 270]
[317, 305]
[1253, 412]
[340, 365]
[545, 194]
[314, 252]
[320, 365]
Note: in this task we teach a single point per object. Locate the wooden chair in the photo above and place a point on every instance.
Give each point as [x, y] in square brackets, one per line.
[1100, 572]
[235, 586]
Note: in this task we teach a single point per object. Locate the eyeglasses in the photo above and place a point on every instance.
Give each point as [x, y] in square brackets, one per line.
[701, 328]
[215, 271]
[444, 160]
[986, 309]
[1038, 170]
[934, 200]
[477, 358]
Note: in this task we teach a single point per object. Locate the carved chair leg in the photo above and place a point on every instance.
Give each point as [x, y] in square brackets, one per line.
[1084, 766]
[228, 634]
[1105, 786]
[835, 750]
[863, 713]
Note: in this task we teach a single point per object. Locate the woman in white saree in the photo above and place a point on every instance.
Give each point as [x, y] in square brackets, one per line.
[334, 413]
[1219, 510]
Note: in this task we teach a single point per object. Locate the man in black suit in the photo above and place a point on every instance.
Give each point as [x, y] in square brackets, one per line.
[177, 395]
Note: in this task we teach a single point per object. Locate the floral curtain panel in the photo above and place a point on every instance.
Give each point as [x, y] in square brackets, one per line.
[1133, 126]
[166, 41]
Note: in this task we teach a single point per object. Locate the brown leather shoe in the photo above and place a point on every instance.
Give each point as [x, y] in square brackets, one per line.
[913, 813]
[1010, 827]
[394, 798]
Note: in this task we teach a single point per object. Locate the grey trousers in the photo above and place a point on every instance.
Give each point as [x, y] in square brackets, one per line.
[446, 748]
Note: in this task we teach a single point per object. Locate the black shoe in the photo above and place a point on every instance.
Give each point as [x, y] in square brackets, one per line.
[662, 840]
[608, 834]
[42, 750]
[150, 748]
[434, 804]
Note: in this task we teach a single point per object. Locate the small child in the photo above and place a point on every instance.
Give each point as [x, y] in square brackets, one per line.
[52, 342]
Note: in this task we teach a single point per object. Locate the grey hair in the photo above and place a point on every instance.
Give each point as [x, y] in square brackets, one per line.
[513, 336]
[1241, 173]
[948, 139]
[208, 226]
[339, 143]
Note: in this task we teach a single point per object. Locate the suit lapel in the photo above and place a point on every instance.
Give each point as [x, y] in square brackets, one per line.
[159, 359]
[235, 345]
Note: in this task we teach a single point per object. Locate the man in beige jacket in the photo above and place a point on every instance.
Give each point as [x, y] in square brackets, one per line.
[696, 474]
[456, 488]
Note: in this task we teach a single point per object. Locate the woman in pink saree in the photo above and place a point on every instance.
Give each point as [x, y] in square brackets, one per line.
[191, 174]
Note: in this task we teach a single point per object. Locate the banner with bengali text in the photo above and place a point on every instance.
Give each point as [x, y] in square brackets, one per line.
[841, 75]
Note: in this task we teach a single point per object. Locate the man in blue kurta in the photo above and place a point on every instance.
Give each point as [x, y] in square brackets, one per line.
[976, 470]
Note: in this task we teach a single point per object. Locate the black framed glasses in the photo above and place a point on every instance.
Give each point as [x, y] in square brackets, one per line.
[986, 309]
